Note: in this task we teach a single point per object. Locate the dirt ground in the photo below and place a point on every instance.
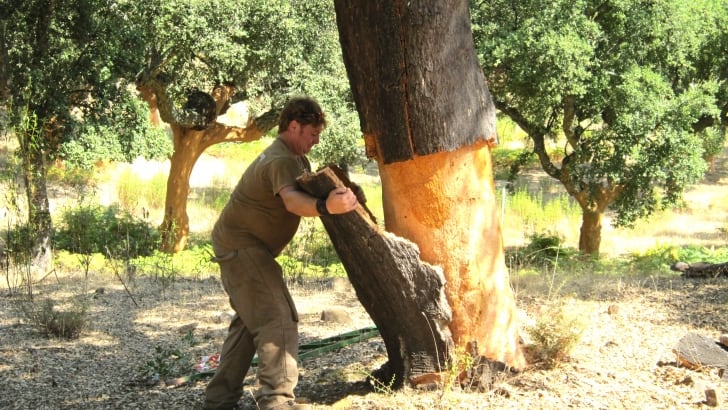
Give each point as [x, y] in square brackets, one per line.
[624, 359]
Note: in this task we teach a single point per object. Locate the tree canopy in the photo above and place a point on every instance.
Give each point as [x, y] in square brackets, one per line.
[631, 93]
[68, 71]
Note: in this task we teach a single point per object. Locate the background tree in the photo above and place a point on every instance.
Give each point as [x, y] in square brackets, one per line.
[62, 74]
[265, 51]
[629, 91]
[67, 68]
[429, 122]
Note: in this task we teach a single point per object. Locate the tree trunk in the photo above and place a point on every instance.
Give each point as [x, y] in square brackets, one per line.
[429, 121]
[40, 228]
[590, 235]
[175, 227]
[151, 99]
[189, 144]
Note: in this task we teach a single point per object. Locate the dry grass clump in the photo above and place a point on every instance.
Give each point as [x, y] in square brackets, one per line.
[553, 336]
[53, 321]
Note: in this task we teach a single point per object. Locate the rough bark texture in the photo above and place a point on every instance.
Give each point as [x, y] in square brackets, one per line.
[413, 68]
[701, 269]
[590, 235]
[39, 215]
[429, 121]
[403, 295]
[695, 351]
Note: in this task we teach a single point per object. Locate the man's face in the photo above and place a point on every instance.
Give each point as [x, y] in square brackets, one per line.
[305, 137]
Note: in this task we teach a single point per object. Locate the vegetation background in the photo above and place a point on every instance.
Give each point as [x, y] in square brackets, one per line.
[73, 129]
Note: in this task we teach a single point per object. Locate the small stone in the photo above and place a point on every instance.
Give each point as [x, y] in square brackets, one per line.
[613, 310]
[183, 330]
[336, 315]
[723, 339]
[711, 398]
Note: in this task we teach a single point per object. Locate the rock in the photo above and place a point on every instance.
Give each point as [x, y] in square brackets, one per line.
[613, 310]
[723, 340]
[711, 398]
[183, 330]
[336, 315]
[223, 317]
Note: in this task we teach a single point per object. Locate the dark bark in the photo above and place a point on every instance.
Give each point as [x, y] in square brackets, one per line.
[404, 60]
[701, 269]
[429, 121]
[403, 295]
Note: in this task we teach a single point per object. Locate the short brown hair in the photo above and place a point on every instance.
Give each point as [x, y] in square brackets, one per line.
[305, 110]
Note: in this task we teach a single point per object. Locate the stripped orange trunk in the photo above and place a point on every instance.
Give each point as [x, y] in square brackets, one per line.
[446, 204]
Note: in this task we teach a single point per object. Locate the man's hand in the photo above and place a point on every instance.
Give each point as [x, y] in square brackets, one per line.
[341, 200]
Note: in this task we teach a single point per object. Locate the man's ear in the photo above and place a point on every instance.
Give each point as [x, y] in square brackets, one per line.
[294, 125]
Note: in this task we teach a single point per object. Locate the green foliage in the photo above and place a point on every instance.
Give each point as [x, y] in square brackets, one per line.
[170, 359]
[310, 253]
[660, 258]
[539, 211]
[165, 268]
[119, 132]
[621, 86]
[90, 229]
[544, 250]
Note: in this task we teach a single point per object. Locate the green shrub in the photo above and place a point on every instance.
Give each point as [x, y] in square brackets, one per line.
[543, 250]
[660, 258]
[92, 229]
[310, 253]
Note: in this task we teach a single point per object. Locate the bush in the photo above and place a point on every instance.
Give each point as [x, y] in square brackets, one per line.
[543, 250]
[92, 229]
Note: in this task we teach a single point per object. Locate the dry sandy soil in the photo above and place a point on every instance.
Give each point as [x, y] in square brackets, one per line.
[624, 359]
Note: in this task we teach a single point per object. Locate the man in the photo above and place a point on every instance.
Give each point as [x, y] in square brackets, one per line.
[258, 221]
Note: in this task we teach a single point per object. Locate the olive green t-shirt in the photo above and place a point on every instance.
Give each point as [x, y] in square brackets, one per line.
[255, 213]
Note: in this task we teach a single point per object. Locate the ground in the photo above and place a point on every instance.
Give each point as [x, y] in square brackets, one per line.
[624, 359]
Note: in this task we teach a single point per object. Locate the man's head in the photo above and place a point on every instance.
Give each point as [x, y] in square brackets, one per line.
[301, 122]
[304, 110]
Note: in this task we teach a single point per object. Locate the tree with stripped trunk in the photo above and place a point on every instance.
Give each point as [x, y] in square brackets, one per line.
[429, 122]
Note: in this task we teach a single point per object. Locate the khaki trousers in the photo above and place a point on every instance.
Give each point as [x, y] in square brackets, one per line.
[266, 322]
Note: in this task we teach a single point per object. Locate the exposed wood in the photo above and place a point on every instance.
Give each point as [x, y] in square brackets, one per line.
[403, 295]
[446, 203]
[701, 269]
[429, 121]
